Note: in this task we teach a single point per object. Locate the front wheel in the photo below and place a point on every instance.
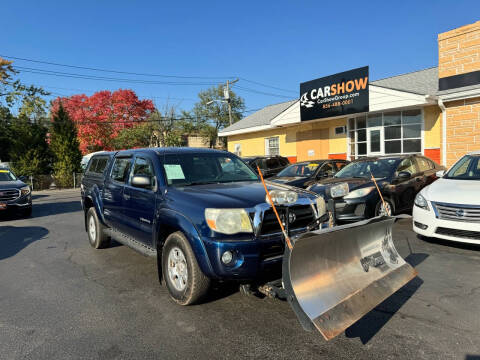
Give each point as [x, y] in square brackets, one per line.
[185, 281]
[384, 210]
[96, 237]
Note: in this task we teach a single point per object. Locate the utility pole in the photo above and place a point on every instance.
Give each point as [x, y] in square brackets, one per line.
[226, 95]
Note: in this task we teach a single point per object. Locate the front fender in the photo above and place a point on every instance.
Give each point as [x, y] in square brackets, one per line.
[174, 219]
[95, 196]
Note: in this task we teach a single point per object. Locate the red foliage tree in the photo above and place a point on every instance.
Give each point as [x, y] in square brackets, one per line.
[100, 117]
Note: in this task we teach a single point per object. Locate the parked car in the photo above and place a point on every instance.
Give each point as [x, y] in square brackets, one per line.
[304, 174]
[450, 207]
[399, 178]
[201, 212]
[14, 193]
[86, 159]
[269, 165]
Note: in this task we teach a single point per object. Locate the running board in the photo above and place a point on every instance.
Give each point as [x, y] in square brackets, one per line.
[131, 243]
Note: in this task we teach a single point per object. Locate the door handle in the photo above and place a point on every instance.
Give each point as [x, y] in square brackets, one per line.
[126, 196]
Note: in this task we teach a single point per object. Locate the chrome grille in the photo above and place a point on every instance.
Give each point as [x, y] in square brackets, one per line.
[9, 195]
[303, 216]
[456, 212]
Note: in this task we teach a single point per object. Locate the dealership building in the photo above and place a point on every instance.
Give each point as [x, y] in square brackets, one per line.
[435, 112]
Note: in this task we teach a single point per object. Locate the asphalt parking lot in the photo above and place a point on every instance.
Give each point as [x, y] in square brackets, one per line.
[61, 299]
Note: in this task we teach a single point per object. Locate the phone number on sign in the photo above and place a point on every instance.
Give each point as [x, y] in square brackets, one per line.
[337, 103]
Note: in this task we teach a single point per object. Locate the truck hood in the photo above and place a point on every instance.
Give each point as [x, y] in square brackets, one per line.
[453, 191]
[230, 195]
[5, 185]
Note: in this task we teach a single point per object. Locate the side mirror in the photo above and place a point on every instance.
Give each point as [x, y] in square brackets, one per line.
[404, 175]
[322, 175]
[141, 181]
[22, 178]
[440, 173]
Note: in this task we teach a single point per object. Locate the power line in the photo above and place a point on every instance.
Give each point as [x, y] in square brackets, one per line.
[144, 74]
[103, 78]
[262, 92]
[94, 91]
[115, 71]
[268, 86]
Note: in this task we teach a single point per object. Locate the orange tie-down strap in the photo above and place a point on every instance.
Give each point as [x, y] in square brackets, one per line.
[287, 239]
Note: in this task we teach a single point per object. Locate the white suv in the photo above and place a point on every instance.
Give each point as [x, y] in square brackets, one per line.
[449, 208]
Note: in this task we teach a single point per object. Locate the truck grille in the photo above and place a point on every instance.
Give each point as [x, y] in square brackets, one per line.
[9, 195]
[302, 216]
[456, 212]
[466, 234]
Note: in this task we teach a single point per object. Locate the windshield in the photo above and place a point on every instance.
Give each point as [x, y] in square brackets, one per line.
[198, 169]
[467, 168]
[302, 170]
[380, 168]
[7, 175]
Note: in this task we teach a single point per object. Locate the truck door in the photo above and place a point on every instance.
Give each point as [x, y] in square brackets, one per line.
[113, 193]
[139, 202]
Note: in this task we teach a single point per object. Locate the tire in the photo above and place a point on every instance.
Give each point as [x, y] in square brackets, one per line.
[379, 207]
[96, 235]
[185, 281]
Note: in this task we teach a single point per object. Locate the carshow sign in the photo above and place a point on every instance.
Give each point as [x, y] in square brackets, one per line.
[335, 95]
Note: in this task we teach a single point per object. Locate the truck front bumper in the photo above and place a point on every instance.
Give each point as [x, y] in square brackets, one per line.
[250, 259]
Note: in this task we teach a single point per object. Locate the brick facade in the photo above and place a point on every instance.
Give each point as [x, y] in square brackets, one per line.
[463, 128]
[459, 50]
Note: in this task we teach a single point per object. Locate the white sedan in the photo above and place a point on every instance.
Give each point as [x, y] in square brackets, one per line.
[449, 208]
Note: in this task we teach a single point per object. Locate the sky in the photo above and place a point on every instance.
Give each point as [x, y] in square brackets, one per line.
[271, 46]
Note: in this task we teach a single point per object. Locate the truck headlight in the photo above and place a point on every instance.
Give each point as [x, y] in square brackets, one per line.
[24, 191]
[359, 193]
[281, 197]
[339, 190]
[421, 202]
[228, 221]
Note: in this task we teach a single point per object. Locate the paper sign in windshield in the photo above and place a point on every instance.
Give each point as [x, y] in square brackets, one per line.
[174, 171]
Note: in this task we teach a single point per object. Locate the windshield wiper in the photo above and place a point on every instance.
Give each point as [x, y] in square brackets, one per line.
[202, 183]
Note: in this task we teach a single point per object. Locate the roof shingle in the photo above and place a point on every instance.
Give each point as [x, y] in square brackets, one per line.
[260, 117]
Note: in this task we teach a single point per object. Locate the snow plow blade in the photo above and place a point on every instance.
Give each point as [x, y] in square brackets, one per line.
[334, 277]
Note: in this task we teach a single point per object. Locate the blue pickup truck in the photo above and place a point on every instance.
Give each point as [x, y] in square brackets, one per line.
[201, 212]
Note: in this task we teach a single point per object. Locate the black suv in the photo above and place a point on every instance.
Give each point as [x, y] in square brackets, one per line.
[270, 165]
[306, 173]
[14, 193]
[399, 177]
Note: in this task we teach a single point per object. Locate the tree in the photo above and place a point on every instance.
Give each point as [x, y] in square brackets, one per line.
[214, 116]
[136, 137]
[28, 99]
[22, 137]
[101, 117]
[162, 128]
[65, 147]
[5, 136]
[29, 151]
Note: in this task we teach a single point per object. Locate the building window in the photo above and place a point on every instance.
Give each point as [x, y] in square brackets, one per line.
[272, 146]
[395, 132]
[238, 149]
[340, 130]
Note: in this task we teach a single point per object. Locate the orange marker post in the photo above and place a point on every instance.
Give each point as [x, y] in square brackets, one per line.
[379, 193]
[287, 239]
